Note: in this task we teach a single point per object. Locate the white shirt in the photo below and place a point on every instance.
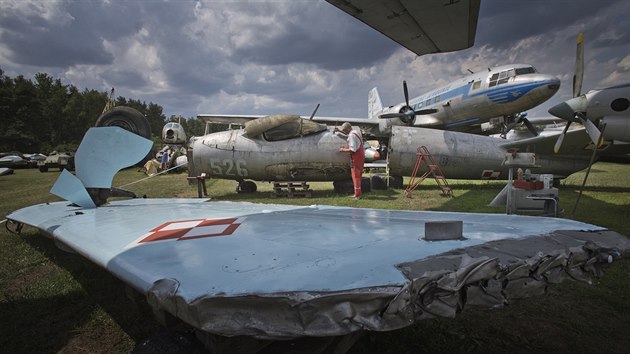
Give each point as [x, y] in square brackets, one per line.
[355, 140]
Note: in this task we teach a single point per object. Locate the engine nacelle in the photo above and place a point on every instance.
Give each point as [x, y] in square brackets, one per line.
[617, 128]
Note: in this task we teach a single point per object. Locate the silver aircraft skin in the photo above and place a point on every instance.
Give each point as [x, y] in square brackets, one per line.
[462, 105]
[609, 106]
[310, 152]
[503, 91]
[477, 157]
[281, 152]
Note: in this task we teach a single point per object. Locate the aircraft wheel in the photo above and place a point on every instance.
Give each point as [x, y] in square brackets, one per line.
[246, 187]
[343, 187]
[126, 118]
[346, 186]
[365, 185]
[378, 181]
[396, 182]
[129, 119]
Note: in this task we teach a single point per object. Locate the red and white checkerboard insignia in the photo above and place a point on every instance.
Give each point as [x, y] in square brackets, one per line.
[490, 174]
[191, 229]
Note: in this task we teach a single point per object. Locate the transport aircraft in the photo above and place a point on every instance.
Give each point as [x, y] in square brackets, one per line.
[495, 97]
[487, 100]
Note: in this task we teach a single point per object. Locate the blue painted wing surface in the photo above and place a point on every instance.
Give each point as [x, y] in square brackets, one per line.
[106, 150]
[340, 268]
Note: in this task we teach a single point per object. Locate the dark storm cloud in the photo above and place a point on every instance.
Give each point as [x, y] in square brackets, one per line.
[74, 37]
[504, 22]
[327, 38]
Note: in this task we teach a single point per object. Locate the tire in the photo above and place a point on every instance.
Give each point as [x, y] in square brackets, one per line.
[343, 187]
[126, 118]
[246, 187]
[346, 186]
[130, 120]
[379, 182]
[396, 182]
[365, 185]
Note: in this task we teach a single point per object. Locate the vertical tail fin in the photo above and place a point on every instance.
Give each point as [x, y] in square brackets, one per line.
[374, 104]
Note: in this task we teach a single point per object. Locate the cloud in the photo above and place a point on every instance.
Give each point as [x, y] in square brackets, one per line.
[286, 56]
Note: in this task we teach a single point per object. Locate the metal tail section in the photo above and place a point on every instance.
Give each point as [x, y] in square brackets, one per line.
[375, 106]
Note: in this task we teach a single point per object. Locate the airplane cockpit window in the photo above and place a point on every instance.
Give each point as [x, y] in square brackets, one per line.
[524, 71]
[476, 85]
[293, 129]
[501, 78]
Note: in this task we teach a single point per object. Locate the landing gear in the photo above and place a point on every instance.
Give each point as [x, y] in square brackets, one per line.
[129, 119]
[346, 186]
[246, 187]
[381, 181]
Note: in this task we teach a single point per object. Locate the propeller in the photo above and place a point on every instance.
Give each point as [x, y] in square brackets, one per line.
[406, 113]
[588, 171]
[315, 111]
[575, 108]
[520, 118]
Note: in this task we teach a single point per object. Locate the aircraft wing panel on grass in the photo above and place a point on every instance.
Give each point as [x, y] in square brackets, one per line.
[282, 271]
[423, 27]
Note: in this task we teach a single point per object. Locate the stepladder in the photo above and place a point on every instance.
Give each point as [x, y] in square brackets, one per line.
[424, 157]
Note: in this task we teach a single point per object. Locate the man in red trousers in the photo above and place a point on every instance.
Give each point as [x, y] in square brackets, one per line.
[357, 154]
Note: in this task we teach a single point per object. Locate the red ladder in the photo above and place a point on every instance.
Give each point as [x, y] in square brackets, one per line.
[432, 169]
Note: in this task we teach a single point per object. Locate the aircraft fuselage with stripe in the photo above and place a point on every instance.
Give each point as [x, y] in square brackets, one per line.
[503, 91]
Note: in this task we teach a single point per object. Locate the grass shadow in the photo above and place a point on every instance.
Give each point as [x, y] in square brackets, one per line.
[61, 316]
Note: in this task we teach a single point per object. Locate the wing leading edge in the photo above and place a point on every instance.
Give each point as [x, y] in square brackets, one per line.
[423, 27]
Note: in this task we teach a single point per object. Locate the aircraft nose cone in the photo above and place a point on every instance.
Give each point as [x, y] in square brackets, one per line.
[554, 84]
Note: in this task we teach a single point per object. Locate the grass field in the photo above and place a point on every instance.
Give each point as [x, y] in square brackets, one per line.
[52, 301]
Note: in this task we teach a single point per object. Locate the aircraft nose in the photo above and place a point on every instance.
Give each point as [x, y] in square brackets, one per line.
[554, 84]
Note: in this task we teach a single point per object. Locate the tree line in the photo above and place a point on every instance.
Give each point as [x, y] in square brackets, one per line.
[43, 115]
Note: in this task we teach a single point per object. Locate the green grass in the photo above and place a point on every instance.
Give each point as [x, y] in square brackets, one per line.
[53, 301]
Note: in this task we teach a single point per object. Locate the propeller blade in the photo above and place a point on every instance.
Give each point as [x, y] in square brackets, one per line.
[578, 76]
[588, 171]
[556, 147]
[406, 93]
[530, 126]
[392, 115]
[315, 111]
[592, 130]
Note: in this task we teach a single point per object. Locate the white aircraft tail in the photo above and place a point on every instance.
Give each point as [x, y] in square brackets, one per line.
[375, 105]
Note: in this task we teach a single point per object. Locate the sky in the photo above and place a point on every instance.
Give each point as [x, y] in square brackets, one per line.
[287, 56]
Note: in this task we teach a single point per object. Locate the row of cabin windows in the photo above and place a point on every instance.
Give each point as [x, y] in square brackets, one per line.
[421, 104]
[496, 79]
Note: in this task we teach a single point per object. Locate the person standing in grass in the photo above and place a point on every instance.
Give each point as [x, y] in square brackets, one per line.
[357, 154]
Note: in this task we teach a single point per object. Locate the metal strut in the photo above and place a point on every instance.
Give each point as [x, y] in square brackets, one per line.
[432, 169]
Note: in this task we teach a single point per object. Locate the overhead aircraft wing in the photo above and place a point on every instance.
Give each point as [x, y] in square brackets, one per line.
[423, 27]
